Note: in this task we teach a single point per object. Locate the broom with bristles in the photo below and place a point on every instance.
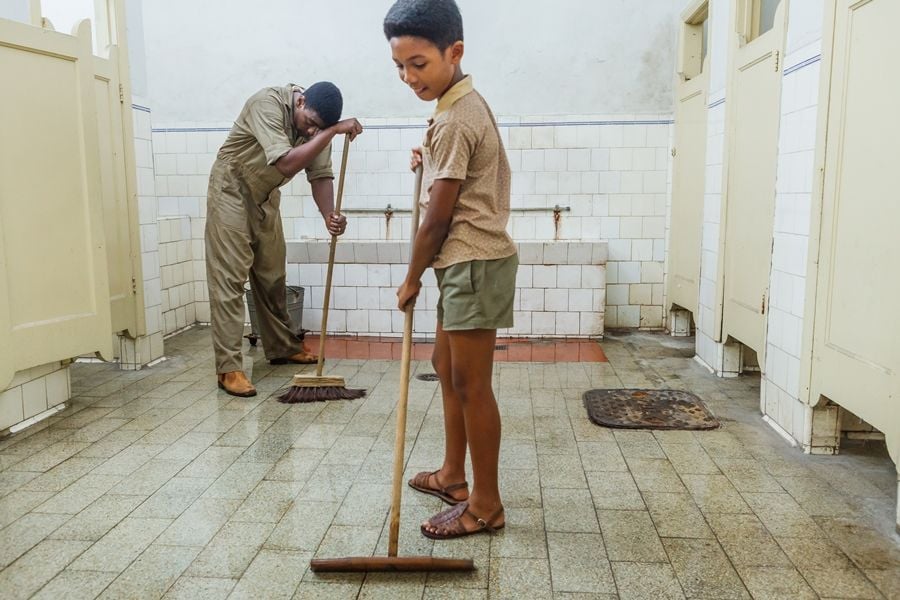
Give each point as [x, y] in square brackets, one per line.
[318, 387]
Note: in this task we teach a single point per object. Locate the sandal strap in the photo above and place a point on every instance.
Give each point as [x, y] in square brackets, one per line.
[421, 478]
[488, 523]
[454, 486]
[449, 488]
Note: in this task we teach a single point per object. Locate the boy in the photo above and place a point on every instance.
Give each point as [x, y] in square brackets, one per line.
[463, 237]
[280, 132]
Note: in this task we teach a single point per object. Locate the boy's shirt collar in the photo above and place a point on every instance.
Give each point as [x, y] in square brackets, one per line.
[462, 88]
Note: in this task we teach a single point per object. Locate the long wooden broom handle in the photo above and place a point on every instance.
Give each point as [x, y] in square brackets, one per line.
[406, 358]
[337, 209]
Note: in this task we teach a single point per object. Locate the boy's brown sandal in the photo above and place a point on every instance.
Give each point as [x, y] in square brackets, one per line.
[420, 484]
[449, 523]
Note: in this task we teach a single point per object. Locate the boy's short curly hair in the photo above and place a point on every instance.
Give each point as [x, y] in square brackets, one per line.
[438, 21]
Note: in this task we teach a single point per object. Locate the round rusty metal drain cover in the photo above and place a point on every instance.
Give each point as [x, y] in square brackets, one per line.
[648, 409]
[427, 377]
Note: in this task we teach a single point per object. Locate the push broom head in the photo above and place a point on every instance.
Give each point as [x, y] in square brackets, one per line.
[368, 564]
[318, 388]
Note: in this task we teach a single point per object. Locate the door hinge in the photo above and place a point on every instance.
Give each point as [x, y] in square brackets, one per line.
[121, 94]
[762, 305]
[134, 286]
[673, 151]
[777, 60]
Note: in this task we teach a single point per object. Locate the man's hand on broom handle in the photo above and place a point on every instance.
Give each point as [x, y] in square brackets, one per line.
[336, 224]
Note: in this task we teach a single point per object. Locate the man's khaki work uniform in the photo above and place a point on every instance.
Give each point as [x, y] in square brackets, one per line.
[244, 235]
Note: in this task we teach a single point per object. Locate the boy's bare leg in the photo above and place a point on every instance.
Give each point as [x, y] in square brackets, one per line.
[454, 467]
[472, 362]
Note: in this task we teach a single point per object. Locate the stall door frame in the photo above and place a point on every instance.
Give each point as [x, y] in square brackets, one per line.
[689, 161]
[745, 240]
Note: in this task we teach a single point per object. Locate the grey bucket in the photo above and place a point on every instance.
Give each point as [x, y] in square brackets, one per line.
[294, 307]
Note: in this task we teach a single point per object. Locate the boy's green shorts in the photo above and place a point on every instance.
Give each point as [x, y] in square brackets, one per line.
[477, 294]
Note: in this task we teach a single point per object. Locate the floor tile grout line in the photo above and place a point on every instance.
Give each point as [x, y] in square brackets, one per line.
[831, 542]
[693, 503]
[703, 516]
[596, 516]
[555, 376]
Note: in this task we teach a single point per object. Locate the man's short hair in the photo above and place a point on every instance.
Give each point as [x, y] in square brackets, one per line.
[325, 99]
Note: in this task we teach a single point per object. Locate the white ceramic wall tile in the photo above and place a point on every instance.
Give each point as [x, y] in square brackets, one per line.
[368, 308]
[34, 397]
[707, 349]
[33, 392]
[180, 273]
[147, 152]
[569, 165]
[791, 232]
[556, 300]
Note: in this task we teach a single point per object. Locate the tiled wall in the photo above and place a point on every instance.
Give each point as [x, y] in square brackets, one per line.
[666, 241]
[614, 175]
[560, 288]
[796, 147]
[136, 353]
[33, 392]
[611, 171]
[708, 350]
[720, 358]
[177, 274]
[793, 202]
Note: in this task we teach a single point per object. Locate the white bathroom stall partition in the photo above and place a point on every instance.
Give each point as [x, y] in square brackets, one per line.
[69, 278]
[752, 121]
[112, 81]
[689, 156]
[854, 268]
[121, 231]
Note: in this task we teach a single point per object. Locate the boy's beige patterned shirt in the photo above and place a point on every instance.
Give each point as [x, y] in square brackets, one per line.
[463, 142]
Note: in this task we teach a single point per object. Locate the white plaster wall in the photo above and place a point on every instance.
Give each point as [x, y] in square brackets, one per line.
[15, 10]
[529, 57]
[137, 61]
[805, 21]
[65, 13]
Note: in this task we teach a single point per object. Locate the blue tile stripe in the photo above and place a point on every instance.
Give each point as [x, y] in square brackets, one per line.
[803, 64]
[793, 69]
[190, 129]
[140, 108]
[424, 126]
[589, 123]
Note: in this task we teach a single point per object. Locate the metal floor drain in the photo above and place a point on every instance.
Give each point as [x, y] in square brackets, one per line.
[427, 377]
[648, 409]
